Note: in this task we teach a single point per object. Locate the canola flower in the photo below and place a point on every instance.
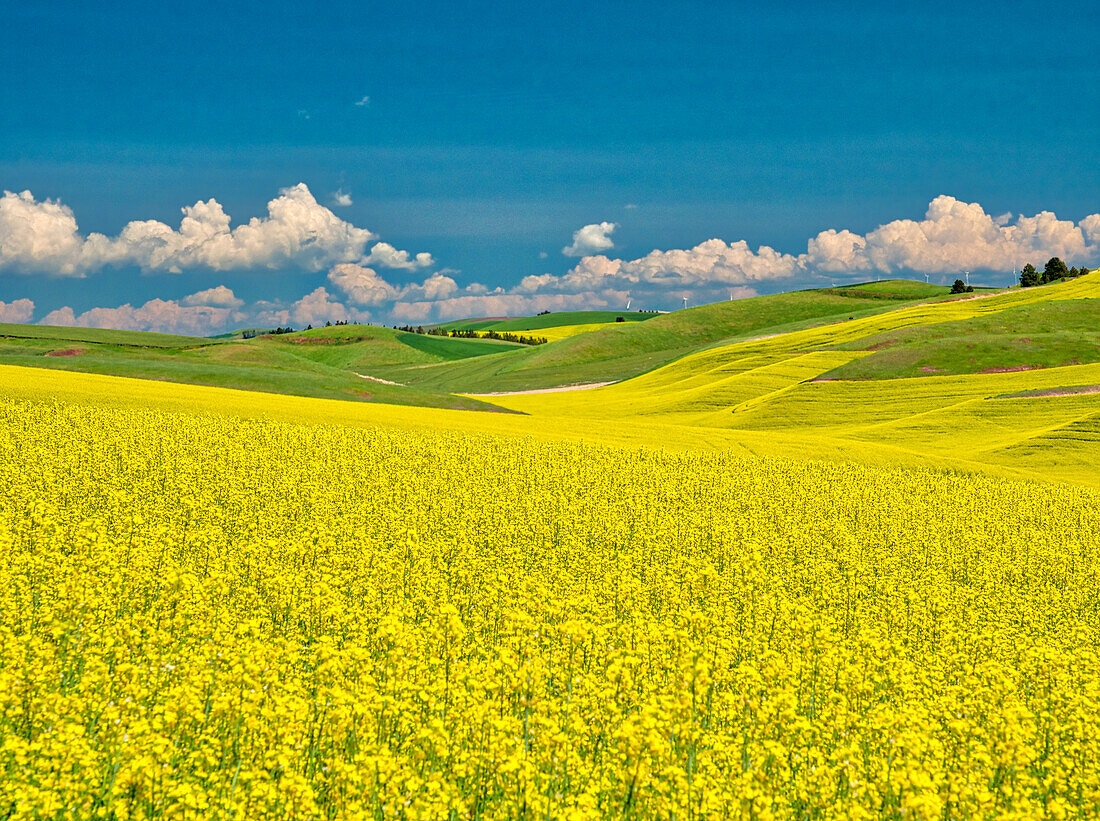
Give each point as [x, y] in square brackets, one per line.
[205, 617]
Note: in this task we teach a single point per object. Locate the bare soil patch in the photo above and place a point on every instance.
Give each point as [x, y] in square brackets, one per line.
[65, 352]
[1012, 369]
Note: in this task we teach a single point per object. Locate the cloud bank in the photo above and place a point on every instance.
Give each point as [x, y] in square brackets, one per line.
[42, 236]
[20, 310]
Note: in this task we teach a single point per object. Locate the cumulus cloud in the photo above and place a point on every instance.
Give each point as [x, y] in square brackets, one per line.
[362, 285]
[341, 198]
[37, 236]
[711, 265]
[42, 236]
[315, 308]
[502, 303]
[386, 256]
[20, 310]
[164, 316]
[219, 297]
[591, 239]
[954, 236]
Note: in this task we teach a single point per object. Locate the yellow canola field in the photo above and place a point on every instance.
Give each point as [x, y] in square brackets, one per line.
[557, 332]
[209, 616]
[566, 331]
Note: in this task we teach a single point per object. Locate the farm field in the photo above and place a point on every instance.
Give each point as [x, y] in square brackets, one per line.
[736, 585]
[213, 615]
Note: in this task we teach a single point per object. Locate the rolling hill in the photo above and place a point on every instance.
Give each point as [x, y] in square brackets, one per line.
[1002, 381]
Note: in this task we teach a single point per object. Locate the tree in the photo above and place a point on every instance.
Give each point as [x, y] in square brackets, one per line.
[1029, 276]
[959, 287]
[1055, 269]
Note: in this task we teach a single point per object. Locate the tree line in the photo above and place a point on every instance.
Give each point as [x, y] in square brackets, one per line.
[1053, 271]
[502, 336]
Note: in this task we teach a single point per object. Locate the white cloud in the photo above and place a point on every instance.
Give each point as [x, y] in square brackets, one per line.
[42, 236]
[39, 236]
[713, 265]
[362, 101]
[315, 308]
[219, 297]
[20, 310]
[434, 288]
[504, 304]
[591, 239]
[386, 256]
[341, 198]
[955, 236]
[1091, 227]
[362, 285]
[164, 316]
[834, 250]
[631, 206]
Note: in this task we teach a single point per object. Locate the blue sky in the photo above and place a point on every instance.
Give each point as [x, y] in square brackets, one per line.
[488, 133]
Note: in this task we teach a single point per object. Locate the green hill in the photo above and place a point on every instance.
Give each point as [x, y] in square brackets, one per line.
[325, 362]
[628, 349]
[135, 339]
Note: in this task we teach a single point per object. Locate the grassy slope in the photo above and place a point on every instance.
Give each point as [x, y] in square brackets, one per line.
[273, 364]
[756, 395]
[629, 349]
[1040, 335]
[102, 336]
[769, 387]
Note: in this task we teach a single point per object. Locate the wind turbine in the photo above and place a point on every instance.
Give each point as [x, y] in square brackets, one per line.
[685, 302]
[628, 303]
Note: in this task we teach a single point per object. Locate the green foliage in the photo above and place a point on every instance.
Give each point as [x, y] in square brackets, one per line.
[1029, 277]
[1054, 269]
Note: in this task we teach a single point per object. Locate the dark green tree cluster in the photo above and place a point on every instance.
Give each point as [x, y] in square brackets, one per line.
[503, 336]
[961, 287]
[1053, 271]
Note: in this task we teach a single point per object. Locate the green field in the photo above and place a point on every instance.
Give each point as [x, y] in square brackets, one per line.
[103, 336]
[325, 362]
[1042, 335]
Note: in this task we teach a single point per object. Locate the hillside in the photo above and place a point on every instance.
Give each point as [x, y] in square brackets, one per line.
[994, 381]
[812, 373]
[628, 349]
[324, 362]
